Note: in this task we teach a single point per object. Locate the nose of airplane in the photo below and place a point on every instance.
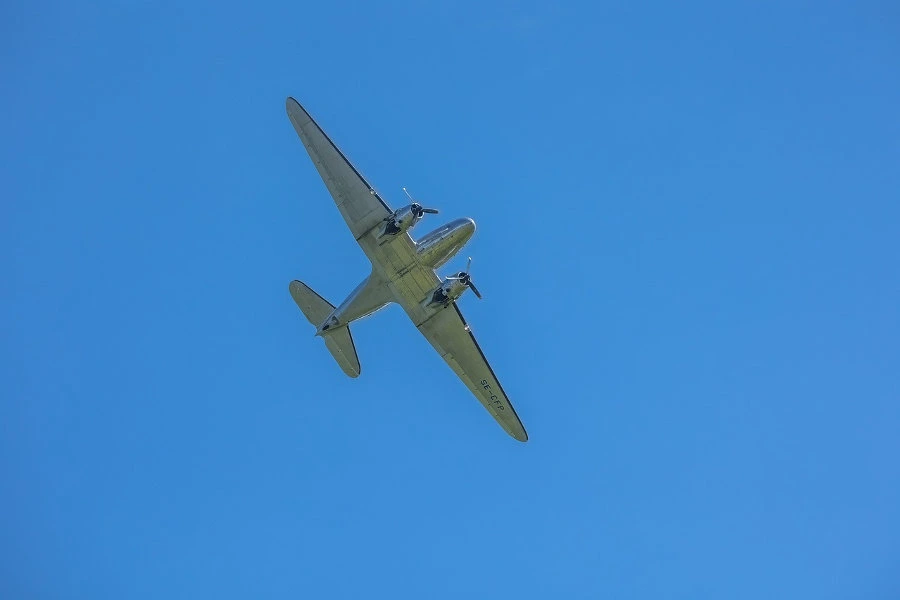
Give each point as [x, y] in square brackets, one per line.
[463, 230]
[468, 227]
[440, 245]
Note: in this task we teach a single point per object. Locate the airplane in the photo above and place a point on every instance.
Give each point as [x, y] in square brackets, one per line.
[403, 271]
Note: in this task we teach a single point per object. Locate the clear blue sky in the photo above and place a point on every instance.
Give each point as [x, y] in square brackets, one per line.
[688, 241]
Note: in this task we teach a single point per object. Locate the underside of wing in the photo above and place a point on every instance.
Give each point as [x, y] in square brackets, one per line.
[360, 205]
[452, 337]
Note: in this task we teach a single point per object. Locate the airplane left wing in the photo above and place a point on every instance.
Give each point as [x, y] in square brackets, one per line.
[451, 336]
[359, 203]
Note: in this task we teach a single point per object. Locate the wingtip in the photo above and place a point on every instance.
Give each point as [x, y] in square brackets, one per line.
[292, 106]
[351, 370]
[516, 431]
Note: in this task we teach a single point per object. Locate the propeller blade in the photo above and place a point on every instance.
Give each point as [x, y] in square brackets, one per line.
[417, 208]
[474, 289]
[469, 264]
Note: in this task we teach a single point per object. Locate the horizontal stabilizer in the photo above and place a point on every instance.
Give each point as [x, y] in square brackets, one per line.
[338, 341]
[314, 307]
[340, 344]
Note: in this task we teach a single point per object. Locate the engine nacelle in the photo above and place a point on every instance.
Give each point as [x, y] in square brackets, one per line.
[403, 219]
[444, 294]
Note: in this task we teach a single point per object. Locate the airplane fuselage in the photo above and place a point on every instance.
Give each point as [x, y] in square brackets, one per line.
[393, 262]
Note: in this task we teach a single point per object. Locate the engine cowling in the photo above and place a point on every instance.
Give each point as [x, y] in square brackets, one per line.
[404, 219]
[444, 294]
[452, 288]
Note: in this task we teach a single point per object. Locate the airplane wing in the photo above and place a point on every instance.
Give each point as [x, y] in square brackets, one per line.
[360, 205]
[451, 336]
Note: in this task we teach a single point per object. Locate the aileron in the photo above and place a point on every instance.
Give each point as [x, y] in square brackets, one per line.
[451, 336]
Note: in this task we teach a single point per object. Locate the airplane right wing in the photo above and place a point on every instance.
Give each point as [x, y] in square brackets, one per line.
[452, 337]
[359, 203]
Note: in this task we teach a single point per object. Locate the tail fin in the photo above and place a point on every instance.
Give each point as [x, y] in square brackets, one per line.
[338, 341]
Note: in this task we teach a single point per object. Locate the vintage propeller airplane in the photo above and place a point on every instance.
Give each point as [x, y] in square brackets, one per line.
[403, 271]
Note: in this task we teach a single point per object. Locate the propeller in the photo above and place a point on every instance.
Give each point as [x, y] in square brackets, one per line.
[464, 278]
[417, 209]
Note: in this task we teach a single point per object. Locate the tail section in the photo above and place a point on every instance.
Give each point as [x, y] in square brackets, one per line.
[314, 307]
[338, 341]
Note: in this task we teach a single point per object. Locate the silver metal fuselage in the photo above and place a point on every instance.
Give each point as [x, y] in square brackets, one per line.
[393, 273]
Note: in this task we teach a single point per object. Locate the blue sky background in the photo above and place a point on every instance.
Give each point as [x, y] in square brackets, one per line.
[688, 227]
